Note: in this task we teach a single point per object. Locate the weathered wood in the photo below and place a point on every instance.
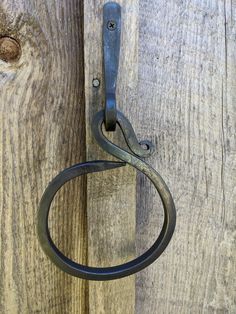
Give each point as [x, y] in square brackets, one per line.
[111, 200]
[187, 90]
[42, 132]
[187, 95]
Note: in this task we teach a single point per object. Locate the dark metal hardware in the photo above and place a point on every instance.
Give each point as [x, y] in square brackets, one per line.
[132, 157]
[111, 51]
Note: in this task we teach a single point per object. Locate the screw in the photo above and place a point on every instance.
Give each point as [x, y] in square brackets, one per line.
[111, 25]
[96, 82]
[10, 49]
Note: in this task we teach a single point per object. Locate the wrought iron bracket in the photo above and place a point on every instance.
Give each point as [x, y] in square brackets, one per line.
[111, 117]
[111, 51]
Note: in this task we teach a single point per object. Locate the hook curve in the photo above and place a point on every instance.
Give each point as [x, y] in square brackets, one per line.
[129, 135]
[135, 265]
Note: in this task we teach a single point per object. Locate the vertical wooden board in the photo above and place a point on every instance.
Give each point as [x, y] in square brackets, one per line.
[187, 62]
[111, 200]
[42, 132]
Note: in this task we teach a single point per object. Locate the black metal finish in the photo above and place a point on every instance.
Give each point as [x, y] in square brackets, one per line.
[107, 273]
[111, 50]
[110, 116]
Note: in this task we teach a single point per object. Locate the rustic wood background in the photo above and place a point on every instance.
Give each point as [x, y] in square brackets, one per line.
[42, 132]
[177, 86]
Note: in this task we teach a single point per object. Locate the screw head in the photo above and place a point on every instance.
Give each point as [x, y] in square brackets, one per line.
[111, 25]
[96, 82]
[10, 49]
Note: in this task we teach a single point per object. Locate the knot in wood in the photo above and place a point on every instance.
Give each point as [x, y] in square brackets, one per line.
[10, 49]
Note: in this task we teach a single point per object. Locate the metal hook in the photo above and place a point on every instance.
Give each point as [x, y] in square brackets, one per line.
[111, 51]
[132, 158]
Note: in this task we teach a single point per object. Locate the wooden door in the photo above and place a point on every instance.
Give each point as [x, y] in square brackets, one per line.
[177, 87]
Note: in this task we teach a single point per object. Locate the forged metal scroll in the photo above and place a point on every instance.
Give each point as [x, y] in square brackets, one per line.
[119, 271]
[110, 117]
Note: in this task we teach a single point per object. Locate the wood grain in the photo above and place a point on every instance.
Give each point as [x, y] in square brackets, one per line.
[182, 98]
[42, 132]
[111, 200]
[187, 70]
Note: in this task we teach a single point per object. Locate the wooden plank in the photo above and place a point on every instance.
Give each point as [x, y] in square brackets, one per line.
[111, 200]
[187, 73]
[42, 132]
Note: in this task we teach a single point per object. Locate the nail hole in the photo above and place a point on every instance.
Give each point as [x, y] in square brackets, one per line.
[96, 82]
[145, 146]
